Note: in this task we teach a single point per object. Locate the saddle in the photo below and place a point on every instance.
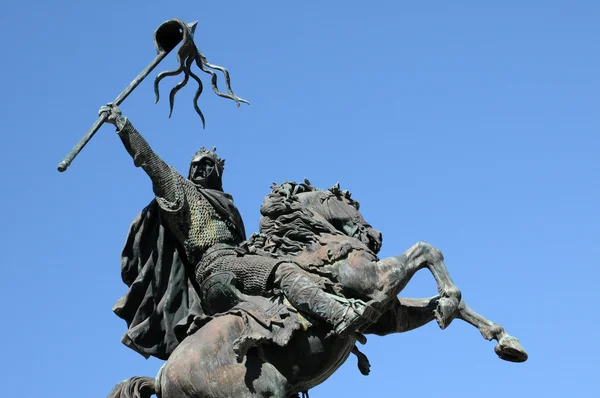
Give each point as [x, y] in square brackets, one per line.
[220, 294]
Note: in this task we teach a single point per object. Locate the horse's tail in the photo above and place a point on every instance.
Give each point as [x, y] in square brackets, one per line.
[136, 387]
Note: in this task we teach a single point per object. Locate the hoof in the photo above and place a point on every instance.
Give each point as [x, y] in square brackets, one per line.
[363, 363]
[446, 311]
[509, 349]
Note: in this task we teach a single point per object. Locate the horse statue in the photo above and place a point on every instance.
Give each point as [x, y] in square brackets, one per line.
[231, 344]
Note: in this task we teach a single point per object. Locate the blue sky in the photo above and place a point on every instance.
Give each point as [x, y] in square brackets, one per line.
[470, 125]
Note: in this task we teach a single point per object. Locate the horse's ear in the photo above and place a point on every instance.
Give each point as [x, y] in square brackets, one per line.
[335, 189]
[307, 186]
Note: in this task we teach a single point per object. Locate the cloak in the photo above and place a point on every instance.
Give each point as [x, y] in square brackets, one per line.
[162, 301]
[162, 305]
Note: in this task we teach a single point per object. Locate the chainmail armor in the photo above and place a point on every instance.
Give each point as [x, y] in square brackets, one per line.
[208, 237]
[206, 226]
[164, 177]
[252, 270]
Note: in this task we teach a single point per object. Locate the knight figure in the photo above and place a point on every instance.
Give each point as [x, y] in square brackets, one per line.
[207, 228]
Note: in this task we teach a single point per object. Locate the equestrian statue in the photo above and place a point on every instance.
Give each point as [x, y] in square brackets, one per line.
[272, 314]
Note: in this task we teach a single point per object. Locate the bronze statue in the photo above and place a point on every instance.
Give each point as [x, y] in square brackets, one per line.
[273, 314]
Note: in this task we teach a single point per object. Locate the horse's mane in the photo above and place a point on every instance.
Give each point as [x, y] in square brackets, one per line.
[286, 225]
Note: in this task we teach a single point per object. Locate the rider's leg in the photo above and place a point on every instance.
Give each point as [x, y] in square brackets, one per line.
[346, 316]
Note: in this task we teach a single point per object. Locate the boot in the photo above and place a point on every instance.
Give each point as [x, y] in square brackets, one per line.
[347, 316]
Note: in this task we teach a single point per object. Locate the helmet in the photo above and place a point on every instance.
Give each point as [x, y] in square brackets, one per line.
[206, 169]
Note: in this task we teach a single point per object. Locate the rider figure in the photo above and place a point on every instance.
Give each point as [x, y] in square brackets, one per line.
[208, 227]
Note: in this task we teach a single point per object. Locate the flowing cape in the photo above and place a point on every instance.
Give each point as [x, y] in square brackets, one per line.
[162, 306]
[162, 301]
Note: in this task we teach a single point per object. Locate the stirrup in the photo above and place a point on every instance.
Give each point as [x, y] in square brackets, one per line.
[364, 314]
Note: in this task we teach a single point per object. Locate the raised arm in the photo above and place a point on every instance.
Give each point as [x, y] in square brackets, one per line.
[166, 182]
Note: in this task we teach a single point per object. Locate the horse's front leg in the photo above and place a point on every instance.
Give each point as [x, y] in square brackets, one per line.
[381, 281]
[423, 255]
[411, 313]
[508, 347]
[405, 314]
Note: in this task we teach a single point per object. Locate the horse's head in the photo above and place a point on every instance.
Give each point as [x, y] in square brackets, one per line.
[294, 214]
[340, 211]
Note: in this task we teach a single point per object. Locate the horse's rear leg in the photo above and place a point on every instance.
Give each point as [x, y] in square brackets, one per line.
[205, 366]
[253, 378]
